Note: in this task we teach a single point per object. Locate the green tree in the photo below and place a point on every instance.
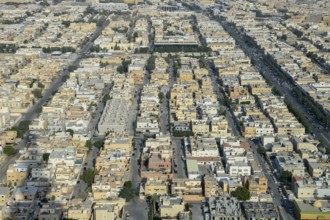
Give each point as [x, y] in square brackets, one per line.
[151, 63]
[28, 13]
[168, 58]
[141, 50]
[22, 127]
[187, 206]
[46, 50]
[88, 145]
[133, 143]
[106, 98]
[9, 150]
[127, 192]
[161, 96]
[64, 78]
[286, 176]
[72, 68]
[123, 68]
[70, 131]
[88, 176]
[327, 150]
[45, 157]
[37, 93]
[262, 151]
[99, 144]
[120, 69]
[241, 193]
[66, 23]
[177, 133]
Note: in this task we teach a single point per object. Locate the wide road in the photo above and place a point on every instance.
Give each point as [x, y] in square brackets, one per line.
[283, 87]
[277, 198]
[164, 115]
[80, 189]
[137, 208]
[273, 186]
[179, 158]
[216, 88]
[92, 126]
[32, 112]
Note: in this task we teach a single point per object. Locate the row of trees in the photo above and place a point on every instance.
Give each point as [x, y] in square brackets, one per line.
[127, 192]
[66, 23]
[150, 64]
[22, 127]
[316, 109]
[301, 118]
[10, 48]
[62, 49]
[312, 106]
[141, 50]
[182, 48]
[95, 48]
[177, 133]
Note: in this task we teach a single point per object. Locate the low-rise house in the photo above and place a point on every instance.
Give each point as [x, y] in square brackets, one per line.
[170, 207]
[17, 174]
[222, 208]
[260, 210]
[80, 210]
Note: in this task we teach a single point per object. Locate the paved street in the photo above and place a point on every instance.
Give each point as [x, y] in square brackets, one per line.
[216, 87]
[4, 166]
[273, 187]
[278, 200]
[137, 209]
[177, 155]
[92, 127]
[135, 165]
[196, 211]
[135, 110]
[80, 189]
[284, 87]
[32, 112]
[164, 115]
